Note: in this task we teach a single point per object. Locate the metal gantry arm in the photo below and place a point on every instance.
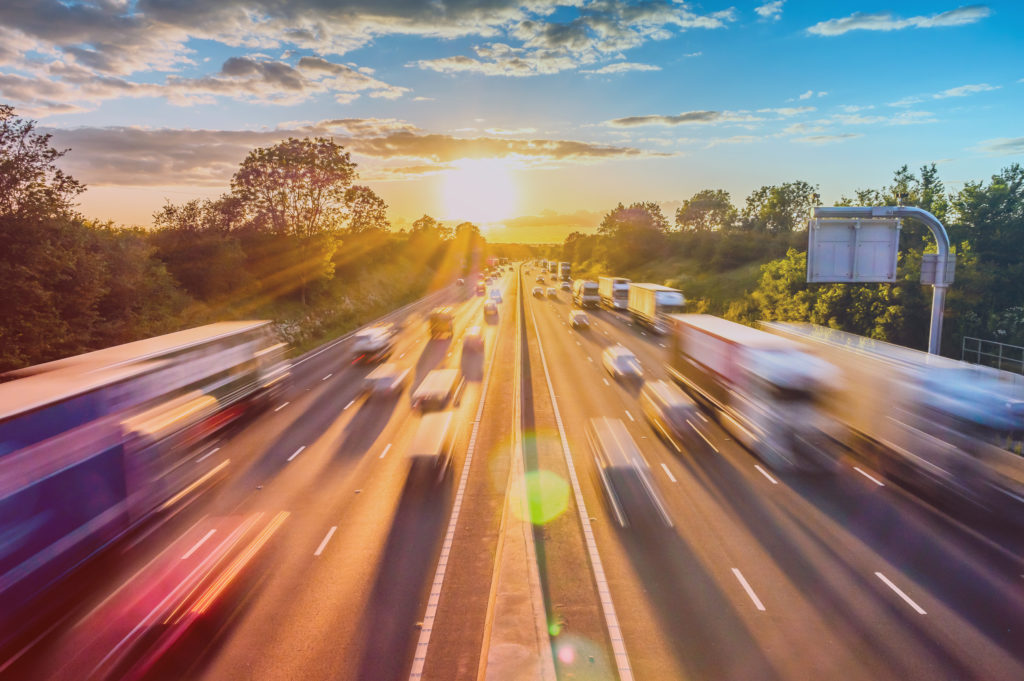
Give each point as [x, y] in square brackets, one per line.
[943, 275]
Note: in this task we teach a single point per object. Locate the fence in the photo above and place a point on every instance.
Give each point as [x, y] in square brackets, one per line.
[993, 354]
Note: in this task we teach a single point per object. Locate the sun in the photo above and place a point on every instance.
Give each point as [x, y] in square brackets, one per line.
[481, 191]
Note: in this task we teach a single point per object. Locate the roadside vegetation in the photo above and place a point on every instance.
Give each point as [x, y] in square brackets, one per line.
[294, 239]
[749, 263]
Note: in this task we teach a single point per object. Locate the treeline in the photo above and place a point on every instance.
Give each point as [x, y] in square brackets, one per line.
[750, 263]
[294, 240]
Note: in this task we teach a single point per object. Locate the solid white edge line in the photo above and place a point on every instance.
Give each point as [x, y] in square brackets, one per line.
[326, 377]
[419, 659]
[597, 568]
[899, 592]
[668, 473]
[869, 476]
[282, 406]
[746, 587]
[195, 547]
[765, 474]
[386, 449]
[297, 452]
[323, 544]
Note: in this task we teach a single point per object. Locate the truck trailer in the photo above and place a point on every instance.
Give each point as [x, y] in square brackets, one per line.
[765, 389]
[945, 428]
[614, 292]
[651, 304]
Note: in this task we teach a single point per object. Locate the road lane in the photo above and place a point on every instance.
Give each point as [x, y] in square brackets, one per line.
[812, 561]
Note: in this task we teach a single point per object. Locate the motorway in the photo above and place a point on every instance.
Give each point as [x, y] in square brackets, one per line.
[760, 575]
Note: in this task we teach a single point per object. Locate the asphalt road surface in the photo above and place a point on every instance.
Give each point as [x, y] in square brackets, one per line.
[757, 575]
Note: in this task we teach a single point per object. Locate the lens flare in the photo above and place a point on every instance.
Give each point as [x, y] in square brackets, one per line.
[547, 497]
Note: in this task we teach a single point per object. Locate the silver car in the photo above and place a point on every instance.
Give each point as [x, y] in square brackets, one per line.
[621, 363]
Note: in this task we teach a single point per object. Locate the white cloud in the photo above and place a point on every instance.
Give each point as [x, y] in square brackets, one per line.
[687, 117]
[735, 139]
[885, 21]
[622, 67]
[960, 91]
[827, 139]
[600, 29]
[770, 11]
[787, 111]
[806, 95]
[965, 90]
[1002, 146]
[139, 156]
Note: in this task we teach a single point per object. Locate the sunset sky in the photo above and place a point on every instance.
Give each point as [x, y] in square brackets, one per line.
[532, 118]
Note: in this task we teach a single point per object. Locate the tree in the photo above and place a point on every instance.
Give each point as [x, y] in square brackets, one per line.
[31, 186]
[366, 210]
[633, 235]
[297, 186]
[427, 226]
[707, 210]
[781, 208]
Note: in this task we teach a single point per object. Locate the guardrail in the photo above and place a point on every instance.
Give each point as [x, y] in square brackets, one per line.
[994, 354]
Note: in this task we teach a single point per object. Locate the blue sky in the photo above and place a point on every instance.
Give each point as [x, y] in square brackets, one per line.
[551, 112]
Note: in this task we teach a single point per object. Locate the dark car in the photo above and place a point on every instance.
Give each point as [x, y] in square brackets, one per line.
[625, 477]
[672, 413]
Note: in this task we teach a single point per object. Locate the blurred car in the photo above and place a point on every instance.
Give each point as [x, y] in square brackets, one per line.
[496, 295]
[442, 322]
[672, 413]
[387, 379]
[373, 344]
[490, 309]
[540, 278]
[625, 476]
[551, 292]
[621, 363]
[579, 319]
[566, 286]
[474, 339]
[430, 451]
[481, 288]
[538, 291]
[435, 389]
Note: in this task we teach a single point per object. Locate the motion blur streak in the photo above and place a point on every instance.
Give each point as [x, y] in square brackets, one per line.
[240, 562]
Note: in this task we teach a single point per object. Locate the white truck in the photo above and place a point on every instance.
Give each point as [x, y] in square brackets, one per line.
[584, 293]
[614, 292]
[765, 389]
[651, 304]
[942, 427]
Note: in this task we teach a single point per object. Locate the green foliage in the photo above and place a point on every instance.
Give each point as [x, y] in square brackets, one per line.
[32, 188]
[296, 187]
[633, 235]
[366, 210]
[707, 210]
[779, 208]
